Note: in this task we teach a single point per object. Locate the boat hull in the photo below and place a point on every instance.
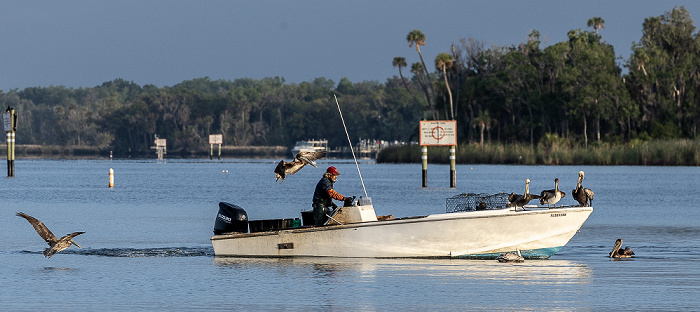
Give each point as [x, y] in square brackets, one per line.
[538, 233]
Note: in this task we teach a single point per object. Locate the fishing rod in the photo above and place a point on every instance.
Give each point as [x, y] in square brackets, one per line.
[350, 142]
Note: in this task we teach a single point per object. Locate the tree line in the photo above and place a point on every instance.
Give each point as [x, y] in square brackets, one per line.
[576, 91]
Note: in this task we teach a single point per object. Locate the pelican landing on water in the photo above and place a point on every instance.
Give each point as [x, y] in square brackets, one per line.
[55, 244]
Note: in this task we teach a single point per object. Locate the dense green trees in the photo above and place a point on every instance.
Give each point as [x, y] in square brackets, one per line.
[575, 90]
[124, 117]
[663, 77]
[572, 92]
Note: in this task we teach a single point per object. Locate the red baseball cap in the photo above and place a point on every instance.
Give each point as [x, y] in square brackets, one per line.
[332, 170]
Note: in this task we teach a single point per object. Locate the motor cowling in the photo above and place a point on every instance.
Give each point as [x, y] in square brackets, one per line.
[230, 218]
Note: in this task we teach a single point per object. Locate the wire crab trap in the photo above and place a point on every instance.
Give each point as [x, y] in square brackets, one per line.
[473, 202]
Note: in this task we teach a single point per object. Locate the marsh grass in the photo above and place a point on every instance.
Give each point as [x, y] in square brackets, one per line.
[681, 152]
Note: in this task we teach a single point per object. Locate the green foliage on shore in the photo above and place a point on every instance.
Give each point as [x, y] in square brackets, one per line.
[681, 152]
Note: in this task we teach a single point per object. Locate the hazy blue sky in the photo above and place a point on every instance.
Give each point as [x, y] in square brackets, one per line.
[85, 43]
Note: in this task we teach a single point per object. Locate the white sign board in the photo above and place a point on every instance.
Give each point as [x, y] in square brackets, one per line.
[216, 139]
[7, 121]
[161, 143]
[438, 132]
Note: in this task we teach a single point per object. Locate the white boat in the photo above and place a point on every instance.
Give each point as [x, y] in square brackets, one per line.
[355, 231]
[310, 146]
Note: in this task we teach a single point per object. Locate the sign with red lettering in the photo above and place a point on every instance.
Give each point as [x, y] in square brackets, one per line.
[438, 132]
[216, 139]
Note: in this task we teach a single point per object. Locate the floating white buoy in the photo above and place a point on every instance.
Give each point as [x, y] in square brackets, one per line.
[111, 177]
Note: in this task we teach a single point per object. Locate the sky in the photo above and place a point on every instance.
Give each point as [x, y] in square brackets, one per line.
[83, 43]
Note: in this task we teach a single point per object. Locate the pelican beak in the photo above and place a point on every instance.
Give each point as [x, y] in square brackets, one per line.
[74, 243]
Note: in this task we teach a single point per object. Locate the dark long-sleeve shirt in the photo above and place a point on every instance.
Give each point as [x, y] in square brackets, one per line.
[324, 192]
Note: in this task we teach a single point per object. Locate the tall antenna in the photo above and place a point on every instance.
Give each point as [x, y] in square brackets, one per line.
[350, 142]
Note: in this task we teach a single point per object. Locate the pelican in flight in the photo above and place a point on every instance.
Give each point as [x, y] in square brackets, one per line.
[552, 197]
[618, 252]
[291, 167]
[55, 244]
[511, 256]
[584, 196]
[516, 200]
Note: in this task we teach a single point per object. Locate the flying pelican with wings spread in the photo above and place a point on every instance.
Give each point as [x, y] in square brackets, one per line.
[291, 167]
[55, 244]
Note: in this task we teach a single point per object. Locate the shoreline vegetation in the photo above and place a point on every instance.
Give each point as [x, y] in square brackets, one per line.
[681, 152]
[30, 151]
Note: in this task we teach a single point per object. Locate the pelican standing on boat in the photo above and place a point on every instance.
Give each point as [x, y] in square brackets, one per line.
[522, 200]
[55, 244]
[511, 256]
[552, 197]
[291, 167]
[582, 195]
[618, 252]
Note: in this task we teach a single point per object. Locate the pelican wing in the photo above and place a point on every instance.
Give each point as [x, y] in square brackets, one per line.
[40, 228]
[71, 235]
[279, 170]
[546, 196]
[309, 157]
[302, 159]
[293, 167]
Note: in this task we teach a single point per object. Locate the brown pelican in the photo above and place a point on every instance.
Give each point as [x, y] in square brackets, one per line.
[301, 160]
[552, 197]
[516, 200]
[582, 195]
[618, 252]
[511, 256]
[55, 244]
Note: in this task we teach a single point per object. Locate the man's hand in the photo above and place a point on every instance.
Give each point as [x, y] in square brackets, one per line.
[347, 201]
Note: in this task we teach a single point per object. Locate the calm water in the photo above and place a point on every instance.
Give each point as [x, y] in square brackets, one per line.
[146, 245]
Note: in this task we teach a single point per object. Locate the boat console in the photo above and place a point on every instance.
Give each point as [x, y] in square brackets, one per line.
[361, 211]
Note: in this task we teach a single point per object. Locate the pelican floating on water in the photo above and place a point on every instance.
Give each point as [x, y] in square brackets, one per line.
[552, 197]
[291, 167]
[511, 256]
[55, 244]
[618, 252]
[516, 200]
[584, 196]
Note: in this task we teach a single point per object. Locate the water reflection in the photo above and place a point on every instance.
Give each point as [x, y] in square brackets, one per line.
[55, 269]
[530, 272]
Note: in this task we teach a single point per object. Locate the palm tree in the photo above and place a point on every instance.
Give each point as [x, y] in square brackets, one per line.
[443, 61]
[401, 62]
[417, 70]
[596, 23]
[640, 58]
[483, 121]
[417, 38]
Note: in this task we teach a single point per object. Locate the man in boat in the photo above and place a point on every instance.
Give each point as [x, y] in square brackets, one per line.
[324, 196]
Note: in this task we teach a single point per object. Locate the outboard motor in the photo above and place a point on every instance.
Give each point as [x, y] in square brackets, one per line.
[230, 218]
